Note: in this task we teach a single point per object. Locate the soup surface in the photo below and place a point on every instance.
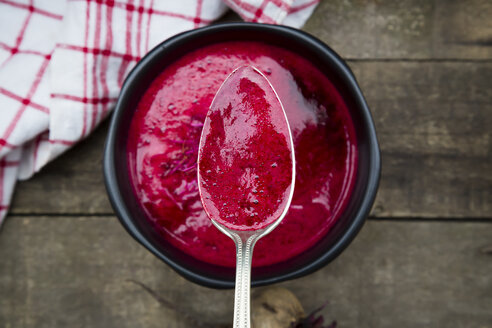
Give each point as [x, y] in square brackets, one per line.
[164, 137]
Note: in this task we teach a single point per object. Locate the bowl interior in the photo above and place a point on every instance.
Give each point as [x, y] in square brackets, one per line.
[134, 218]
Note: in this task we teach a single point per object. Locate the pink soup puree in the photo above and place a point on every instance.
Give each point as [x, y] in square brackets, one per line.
[245, 156]
[165, 133]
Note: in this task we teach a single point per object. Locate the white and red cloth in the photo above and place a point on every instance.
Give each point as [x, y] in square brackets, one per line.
[62, 64]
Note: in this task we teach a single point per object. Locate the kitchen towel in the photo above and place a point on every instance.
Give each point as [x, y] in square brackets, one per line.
[62, 64]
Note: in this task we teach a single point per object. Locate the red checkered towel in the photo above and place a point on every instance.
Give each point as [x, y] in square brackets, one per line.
[62, 64]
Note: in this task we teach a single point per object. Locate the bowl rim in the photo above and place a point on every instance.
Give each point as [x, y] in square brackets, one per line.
[339, 66]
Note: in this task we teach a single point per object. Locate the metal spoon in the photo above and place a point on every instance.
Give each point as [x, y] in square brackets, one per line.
[245, 240]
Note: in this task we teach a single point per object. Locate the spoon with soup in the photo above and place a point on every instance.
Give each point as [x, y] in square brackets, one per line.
[246, 169]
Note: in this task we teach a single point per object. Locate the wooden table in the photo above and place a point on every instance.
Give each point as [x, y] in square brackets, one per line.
[424, 258]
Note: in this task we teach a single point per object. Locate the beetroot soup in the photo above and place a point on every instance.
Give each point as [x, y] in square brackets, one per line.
[165, 133]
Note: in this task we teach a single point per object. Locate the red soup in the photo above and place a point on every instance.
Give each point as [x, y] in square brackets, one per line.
[165, 133]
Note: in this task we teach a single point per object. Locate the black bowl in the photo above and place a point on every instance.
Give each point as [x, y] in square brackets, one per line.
[133, 217]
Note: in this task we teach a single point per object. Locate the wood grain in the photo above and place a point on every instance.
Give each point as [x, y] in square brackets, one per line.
[416, 29]
[433, 121]
[77, 272]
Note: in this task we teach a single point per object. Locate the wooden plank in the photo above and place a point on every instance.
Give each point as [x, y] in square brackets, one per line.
[76, 272]
[433, 121]
[434, 125]
[418, 29]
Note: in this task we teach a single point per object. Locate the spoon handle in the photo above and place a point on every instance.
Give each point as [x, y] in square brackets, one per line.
[244, 255]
